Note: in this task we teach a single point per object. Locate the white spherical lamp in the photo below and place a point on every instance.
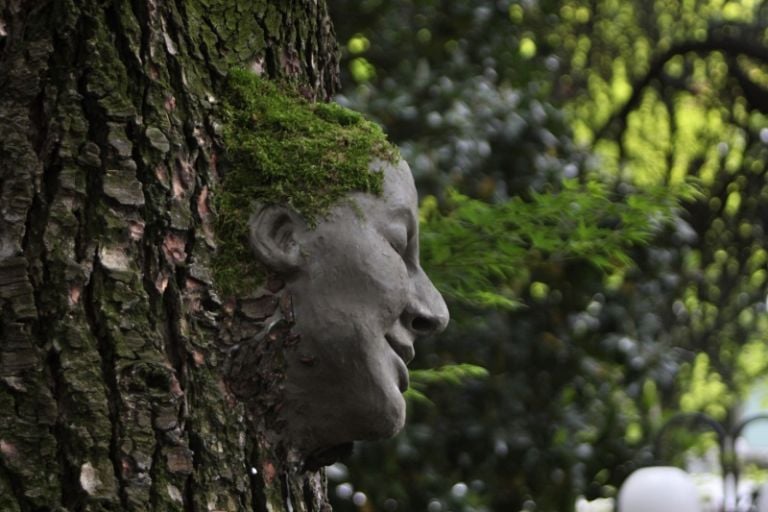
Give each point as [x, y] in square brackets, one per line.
[659, 489]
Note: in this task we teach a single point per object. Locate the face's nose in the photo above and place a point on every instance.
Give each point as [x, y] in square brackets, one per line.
[426, 312]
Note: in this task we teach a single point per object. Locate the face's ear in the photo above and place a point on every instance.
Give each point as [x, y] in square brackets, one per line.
[274, 233]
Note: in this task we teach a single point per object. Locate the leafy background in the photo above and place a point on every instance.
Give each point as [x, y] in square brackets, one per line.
[594, 184]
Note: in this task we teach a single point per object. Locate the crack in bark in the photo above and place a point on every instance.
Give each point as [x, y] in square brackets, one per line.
[123, 44]
[215, 32]
[258, 496]
[106, 351]
[197, 447]
[16, 485]
[68, 475]
[157, 457]
[92, 221]
[38, 218]
[175, 71]
[142, 18]
[14, 481]
[176, 353]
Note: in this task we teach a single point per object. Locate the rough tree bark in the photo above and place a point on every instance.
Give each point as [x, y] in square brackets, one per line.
[111, 397]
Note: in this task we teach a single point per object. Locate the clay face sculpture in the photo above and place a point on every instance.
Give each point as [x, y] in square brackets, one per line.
[360, 300]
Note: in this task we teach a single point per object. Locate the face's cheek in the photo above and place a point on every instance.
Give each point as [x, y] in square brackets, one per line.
[359, 278]
[355, 292]
[399, 291]
[336, 298]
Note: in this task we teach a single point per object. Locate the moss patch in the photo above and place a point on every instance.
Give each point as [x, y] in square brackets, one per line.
[283, 149]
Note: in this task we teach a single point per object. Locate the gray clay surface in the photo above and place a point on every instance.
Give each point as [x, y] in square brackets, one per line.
[360, 300]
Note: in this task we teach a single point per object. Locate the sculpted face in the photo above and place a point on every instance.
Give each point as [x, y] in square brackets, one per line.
[360, 300]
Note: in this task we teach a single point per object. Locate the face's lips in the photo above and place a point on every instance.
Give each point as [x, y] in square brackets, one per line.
[405, 353]
[403, 379]
[402, 348]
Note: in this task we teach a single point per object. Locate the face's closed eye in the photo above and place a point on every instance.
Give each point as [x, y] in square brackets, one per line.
[401, 232]
[397, 236]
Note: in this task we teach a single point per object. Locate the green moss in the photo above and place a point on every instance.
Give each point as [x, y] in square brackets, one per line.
[282, 149]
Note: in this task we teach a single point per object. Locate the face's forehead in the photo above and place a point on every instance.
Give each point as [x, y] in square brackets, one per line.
[398, 200]
[399, 190]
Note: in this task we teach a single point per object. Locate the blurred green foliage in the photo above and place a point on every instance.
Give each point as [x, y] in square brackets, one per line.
[559, 143]
[483, 254]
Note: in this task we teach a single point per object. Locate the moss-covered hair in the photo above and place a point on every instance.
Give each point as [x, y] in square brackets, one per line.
[282, 149]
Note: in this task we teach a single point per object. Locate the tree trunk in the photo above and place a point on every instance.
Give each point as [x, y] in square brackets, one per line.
[111, 396]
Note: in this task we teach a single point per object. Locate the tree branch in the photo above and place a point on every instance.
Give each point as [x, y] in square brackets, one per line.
[727, 44]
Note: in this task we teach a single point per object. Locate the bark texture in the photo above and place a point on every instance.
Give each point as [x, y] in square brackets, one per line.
[111, 389]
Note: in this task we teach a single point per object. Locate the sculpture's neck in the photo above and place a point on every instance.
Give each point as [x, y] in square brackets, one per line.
[255, 333]
[283, 478]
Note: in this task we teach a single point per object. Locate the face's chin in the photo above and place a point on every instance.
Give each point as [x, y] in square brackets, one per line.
[389, 417]
[381, 421]
[375, 425]
[378, 408]
[321, 417]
